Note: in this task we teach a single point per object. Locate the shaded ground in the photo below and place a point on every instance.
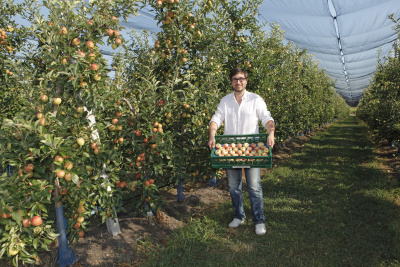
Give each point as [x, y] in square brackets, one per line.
[140, 235]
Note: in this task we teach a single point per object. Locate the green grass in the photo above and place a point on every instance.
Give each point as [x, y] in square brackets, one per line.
[329, 205]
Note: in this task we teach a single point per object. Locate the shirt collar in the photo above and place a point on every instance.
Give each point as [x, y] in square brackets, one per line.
[244, 97]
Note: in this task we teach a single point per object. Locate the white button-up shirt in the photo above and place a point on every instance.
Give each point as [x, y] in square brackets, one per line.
[244, 118]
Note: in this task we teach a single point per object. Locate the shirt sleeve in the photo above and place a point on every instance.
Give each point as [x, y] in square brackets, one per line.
[263, 113]
[219, 115]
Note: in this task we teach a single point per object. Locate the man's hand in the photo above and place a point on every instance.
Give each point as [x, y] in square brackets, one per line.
[271, 140]
[213, 130]
[270, 126]
[211, 142]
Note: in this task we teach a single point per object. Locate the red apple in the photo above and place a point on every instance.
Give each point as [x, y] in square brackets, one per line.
[109, 32]
[76, 42]
[36, 220]
[26, 222]
[94, 66]
[44, 98]
[60, 174]
[92, 56]
[59, 158]
[89, 44]
[42, 122]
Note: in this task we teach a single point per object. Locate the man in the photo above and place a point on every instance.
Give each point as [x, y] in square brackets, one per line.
[241, 112]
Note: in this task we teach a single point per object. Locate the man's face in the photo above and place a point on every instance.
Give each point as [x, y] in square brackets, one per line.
[239, 82]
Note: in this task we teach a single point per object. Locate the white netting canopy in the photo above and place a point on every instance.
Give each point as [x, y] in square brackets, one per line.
[344, 36]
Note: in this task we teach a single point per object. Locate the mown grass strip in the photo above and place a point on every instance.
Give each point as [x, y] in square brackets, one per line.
[329, 205]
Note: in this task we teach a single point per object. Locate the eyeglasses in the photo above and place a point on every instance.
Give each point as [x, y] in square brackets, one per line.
[238, 79]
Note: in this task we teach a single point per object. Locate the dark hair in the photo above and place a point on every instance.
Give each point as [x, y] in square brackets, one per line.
[236, 71]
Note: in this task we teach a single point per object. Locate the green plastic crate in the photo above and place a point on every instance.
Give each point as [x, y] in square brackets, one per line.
[241, 161]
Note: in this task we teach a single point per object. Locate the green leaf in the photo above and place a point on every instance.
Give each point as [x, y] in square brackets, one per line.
[35, 243]
[16, 216]
[75, 178]
[43, 207]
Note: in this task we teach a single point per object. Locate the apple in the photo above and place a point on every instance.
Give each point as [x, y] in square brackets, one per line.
[80, 141]
[26, 222]
[63, 30]
[80, 109]
[68, 165]
[60, 174]
[89, 22]
[246, 153]
[233, 145]
[59, 158]
[13, 251]
[44, 98]
[77, 225]
[120, 140]
[159, 3]
[94, 66]
[57, 101]
[218, 152]
[93, 145]
[111, 128]
[138, 133]
[249, 148]
[89, 44]
[116, 33]
[68, 177]
[239, 152]
[97, 77]
[42, 121]
[81, 234]
[109, 32]
[151, 181]
[246, 145]
[80, 219]
[225, 152]
[243, 149]
[96, 151]
[253, 145]
[218, 146]
[76, 42]
[81, 209]
[62, 192]
[36, 220]
[92, 56]
[118, 41]
[225, 146]
[29, 167]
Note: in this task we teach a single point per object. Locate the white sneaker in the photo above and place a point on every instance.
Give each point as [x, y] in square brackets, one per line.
[260, 229]
[236, 222]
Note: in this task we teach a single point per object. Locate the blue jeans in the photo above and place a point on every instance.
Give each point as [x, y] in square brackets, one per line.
[253, 181]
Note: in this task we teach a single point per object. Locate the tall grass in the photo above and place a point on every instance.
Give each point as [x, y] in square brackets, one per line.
[329, 205]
